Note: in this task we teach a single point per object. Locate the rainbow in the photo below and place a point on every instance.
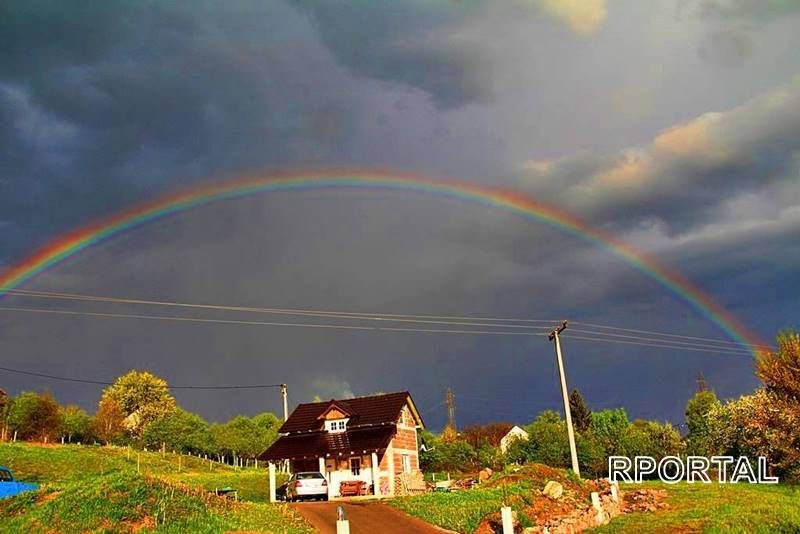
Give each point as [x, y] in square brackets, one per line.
[80, 239]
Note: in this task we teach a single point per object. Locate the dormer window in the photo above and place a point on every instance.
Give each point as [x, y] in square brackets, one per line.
[336, 425]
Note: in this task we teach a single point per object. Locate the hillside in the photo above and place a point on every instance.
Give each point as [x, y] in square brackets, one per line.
[98, 489]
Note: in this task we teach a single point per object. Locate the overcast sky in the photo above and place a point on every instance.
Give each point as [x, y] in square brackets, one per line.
[674, 124]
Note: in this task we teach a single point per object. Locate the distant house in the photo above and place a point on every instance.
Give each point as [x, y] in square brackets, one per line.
[515, 433]
[371, 439]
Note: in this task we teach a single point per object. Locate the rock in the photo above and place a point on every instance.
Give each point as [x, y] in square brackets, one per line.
[485, 474]
[553, 489]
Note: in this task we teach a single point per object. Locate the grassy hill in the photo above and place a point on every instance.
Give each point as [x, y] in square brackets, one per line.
[110, 490]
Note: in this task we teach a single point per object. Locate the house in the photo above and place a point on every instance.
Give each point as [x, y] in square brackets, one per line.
[370, 439]
[515, 433]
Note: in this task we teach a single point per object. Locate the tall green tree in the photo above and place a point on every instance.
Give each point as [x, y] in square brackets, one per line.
[697, 422]
[35, 416]
[581, 414]
[610, 427]
[180, 431]
[143, 397]
[75, 423]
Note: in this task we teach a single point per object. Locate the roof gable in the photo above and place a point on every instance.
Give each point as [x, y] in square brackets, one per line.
[363, 411]
[335, 410]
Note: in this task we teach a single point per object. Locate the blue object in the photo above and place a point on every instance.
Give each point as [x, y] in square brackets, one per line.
[10, 487]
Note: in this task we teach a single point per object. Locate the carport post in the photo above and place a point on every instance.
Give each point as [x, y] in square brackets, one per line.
[271, 482]
[375, 474]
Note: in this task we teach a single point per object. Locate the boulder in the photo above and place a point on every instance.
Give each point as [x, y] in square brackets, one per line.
[553, 489]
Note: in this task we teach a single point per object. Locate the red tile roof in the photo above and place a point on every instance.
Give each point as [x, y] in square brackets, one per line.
[365, 411]
[316, 444]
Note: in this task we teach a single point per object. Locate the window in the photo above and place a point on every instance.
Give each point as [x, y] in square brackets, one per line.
[406, 463]
[336, 425]
[355, 466]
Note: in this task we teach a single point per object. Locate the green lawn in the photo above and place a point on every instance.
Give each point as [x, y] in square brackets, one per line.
[716, 508]
[462, 511]
[713, 508]
[97, 489]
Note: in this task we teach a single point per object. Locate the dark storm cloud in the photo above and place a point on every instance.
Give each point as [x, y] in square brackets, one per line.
[104, 105]
[108, 104]
[409, 42]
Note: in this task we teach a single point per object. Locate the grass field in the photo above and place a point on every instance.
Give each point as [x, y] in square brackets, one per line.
[713, 508]
[98, 489]
[461, 511]
[717, 508]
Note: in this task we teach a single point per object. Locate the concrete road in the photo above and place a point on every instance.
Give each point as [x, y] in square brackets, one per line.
[366, 517]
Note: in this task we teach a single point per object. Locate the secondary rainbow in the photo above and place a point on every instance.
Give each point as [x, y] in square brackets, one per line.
[528, 207]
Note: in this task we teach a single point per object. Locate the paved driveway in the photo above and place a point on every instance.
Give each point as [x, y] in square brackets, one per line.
[366, 517]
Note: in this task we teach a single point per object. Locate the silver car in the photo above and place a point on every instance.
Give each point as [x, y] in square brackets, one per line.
[307, 485]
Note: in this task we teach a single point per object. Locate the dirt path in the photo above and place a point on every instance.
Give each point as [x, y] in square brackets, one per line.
[366, 517]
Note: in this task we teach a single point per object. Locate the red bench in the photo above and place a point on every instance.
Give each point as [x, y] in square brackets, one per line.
[351, 488]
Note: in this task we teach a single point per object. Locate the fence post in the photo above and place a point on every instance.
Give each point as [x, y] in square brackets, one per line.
[507, 518]
[600, 517]
[271, 482]
[342, 523]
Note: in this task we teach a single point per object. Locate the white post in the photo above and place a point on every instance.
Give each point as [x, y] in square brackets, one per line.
[600, 517]
[614, 490]
[567, 412]
[342, 523]
[376, 474]
[271, 482]
[508, 520]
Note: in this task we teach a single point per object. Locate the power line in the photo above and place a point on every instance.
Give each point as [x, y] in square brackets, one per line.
[657, 340]
[665, 346]
[106, 383]
[262, 323]
[679, 336]
[391, 317]
[494, 322]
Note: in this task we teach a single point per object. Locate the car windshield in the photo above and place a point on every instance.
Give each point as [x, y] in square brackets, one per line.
[5, 476]
[307, 476]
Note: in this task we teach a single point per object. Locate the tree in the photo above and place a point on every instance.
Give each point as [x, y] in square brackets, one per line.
[651, 438]
[181, 431]
[609, 427]
[780, 372]
[430, 452]
[75, 423]
[697, 410]
[245, 437]
[142, 397]
[35, 416]
[482, 435]
[547, 442]
[109, 422]
[581, 414]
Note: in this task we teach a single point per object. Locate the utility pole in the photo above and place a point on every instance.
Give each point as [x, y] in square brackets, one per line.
[450, 400]
[567, 412]
[450, 433]
[284, 395]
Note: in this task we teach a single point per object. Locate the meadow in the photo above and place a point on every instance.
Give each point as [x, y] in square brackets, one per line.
[117, 490]
[716, 508]
[711, 508]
